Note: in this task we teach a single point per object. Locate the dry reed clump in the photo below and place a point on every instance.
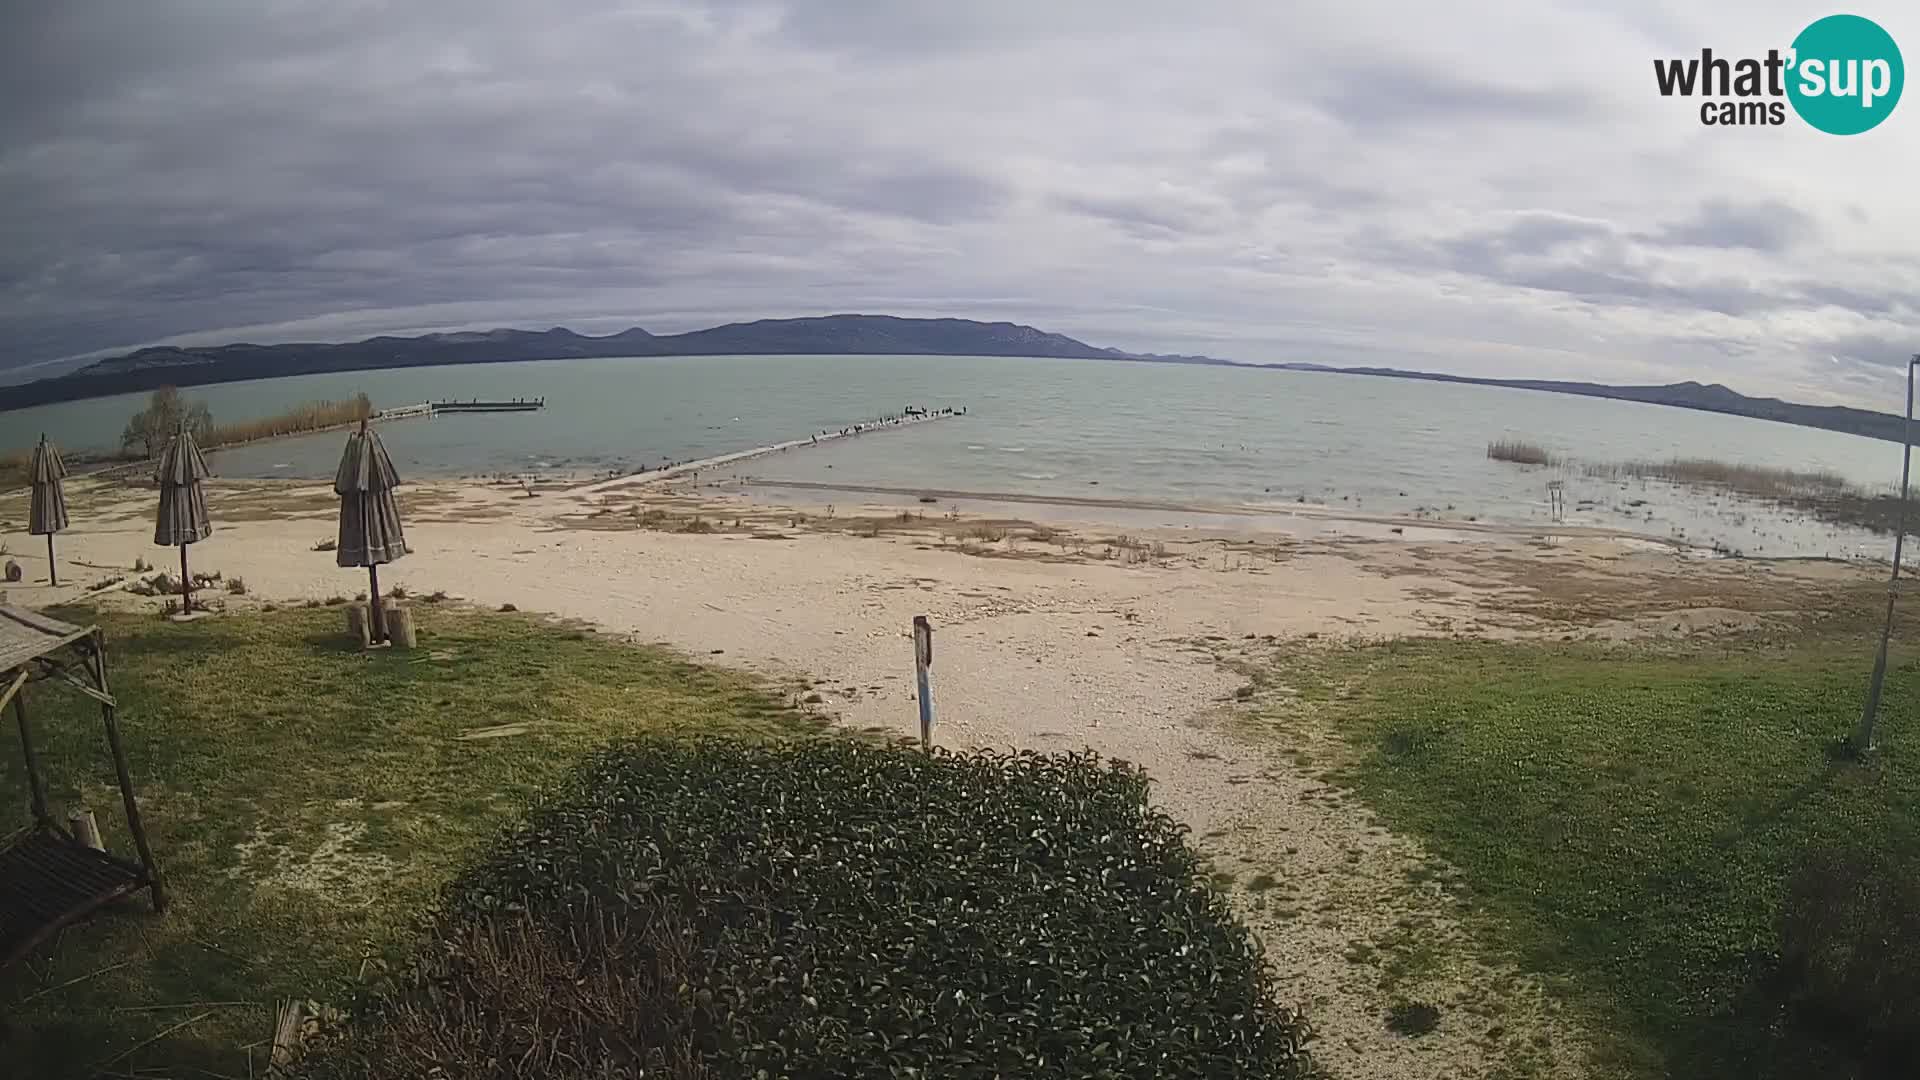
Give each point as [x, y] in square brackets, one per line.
[1760, 480]
[308, 417]
[1520, 452]
[1826, 495]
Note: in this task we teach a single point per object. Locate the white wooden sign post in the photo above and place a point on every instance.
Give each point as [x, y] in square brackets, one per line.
[922, 661]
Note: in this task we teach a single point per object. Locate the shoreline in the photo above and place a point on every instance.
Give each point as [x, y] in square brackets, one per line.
[1314, 512]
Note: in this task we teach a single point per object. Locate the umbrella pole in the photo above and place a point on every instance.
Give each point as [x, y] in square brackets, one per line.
[186, 583]
[377, 624]
[53, 569]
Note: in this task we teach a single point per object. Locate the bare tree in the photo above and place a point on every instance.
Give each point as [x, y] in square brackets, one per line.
[149, 429]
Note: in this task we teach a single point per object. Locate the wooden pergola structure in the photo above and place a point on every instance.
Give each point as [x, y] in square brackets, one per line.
[49, 877]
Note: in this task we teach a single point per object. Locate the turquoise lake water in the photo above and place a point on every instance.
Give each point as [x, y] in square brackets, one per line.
[1047, 427]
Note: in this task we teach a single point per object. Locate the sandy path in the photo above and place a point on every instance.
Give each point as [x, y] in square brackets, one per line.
[1054, 655]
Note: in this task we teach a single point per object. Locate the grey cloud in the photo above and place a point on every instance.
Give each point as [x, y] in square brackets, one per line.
[1869, 349]
[1765, 226]
[1393, 98]
[1140, 216]
[1268, 183]
[1597, 262]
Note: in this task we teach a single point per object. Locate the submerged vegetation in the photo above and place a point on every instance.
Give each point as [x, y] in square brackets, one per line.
[1824, 494]
[1757, 480]
[1519, 451]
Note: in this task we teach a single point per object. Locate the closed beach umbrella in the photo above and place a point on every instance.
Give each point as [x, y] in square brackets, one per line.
[370, 532]
[48, 513]
[183, 504]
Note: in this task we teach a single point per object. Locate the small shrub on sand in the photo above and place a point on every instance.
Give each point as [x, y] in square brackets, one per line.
[237, 586]
[508, 607]
[827, 908]
[398, 592]
[1412, 1018]
[1519, 452]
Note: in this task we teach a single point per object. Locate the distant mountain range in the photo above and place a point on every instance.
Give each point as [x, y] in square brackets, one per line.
[170, 365]
[167, 365]
[1706, 397]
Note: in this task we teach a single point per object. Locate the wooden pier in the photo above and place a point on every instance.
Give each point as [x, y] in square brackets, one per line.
[681, 469]
[477, 405]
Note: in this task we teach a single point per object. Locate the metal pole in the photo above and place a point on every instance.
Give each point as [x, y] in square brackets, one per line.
[1863, 739]
[376, 624]
[53, 568]
[922, 661]
[186, 583]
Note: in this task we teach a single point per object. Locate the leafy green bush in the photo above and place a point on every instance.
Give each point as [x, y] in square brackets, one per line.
[829, 908]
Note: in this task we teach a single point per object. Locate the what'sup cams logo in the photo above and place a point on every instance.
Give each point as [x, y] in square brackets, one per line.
[1842, 75]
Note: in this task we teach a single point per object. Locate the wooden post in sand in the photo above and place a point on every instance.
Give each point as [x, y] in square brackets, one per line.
[86, 829]
[922, 661]
[400, 633]
[359, 627]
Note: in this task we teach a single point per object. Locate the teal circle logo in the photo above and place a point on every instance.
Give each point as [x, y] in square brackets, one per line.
[1846, 75]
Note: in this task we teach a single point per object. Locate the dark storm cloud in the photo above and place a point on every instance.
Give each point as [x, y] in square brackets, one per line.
[272, 174]
[1272, 182]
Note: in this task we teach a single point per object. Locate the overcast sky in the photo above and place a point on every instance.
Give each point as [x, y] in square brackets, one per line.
[1481, 188]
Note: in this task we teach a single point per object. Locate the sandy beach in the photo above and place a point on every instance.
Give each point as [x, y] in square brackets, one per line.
[1055, 631]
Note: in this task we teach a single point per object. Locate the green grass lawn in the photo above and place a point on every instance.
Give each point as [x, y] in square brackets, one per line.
[1628, 817]
[306, 802]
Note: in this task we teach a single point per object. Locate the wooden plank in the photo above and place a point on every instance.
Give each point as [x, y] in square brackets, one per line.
[19, 680]
[67, 677]
[147, 861]
[35, 780]
[53, 882]
[47, 625]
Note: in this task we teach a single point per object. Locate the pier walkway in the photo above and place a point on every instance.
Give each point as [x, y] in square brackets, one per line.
[688, 468]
